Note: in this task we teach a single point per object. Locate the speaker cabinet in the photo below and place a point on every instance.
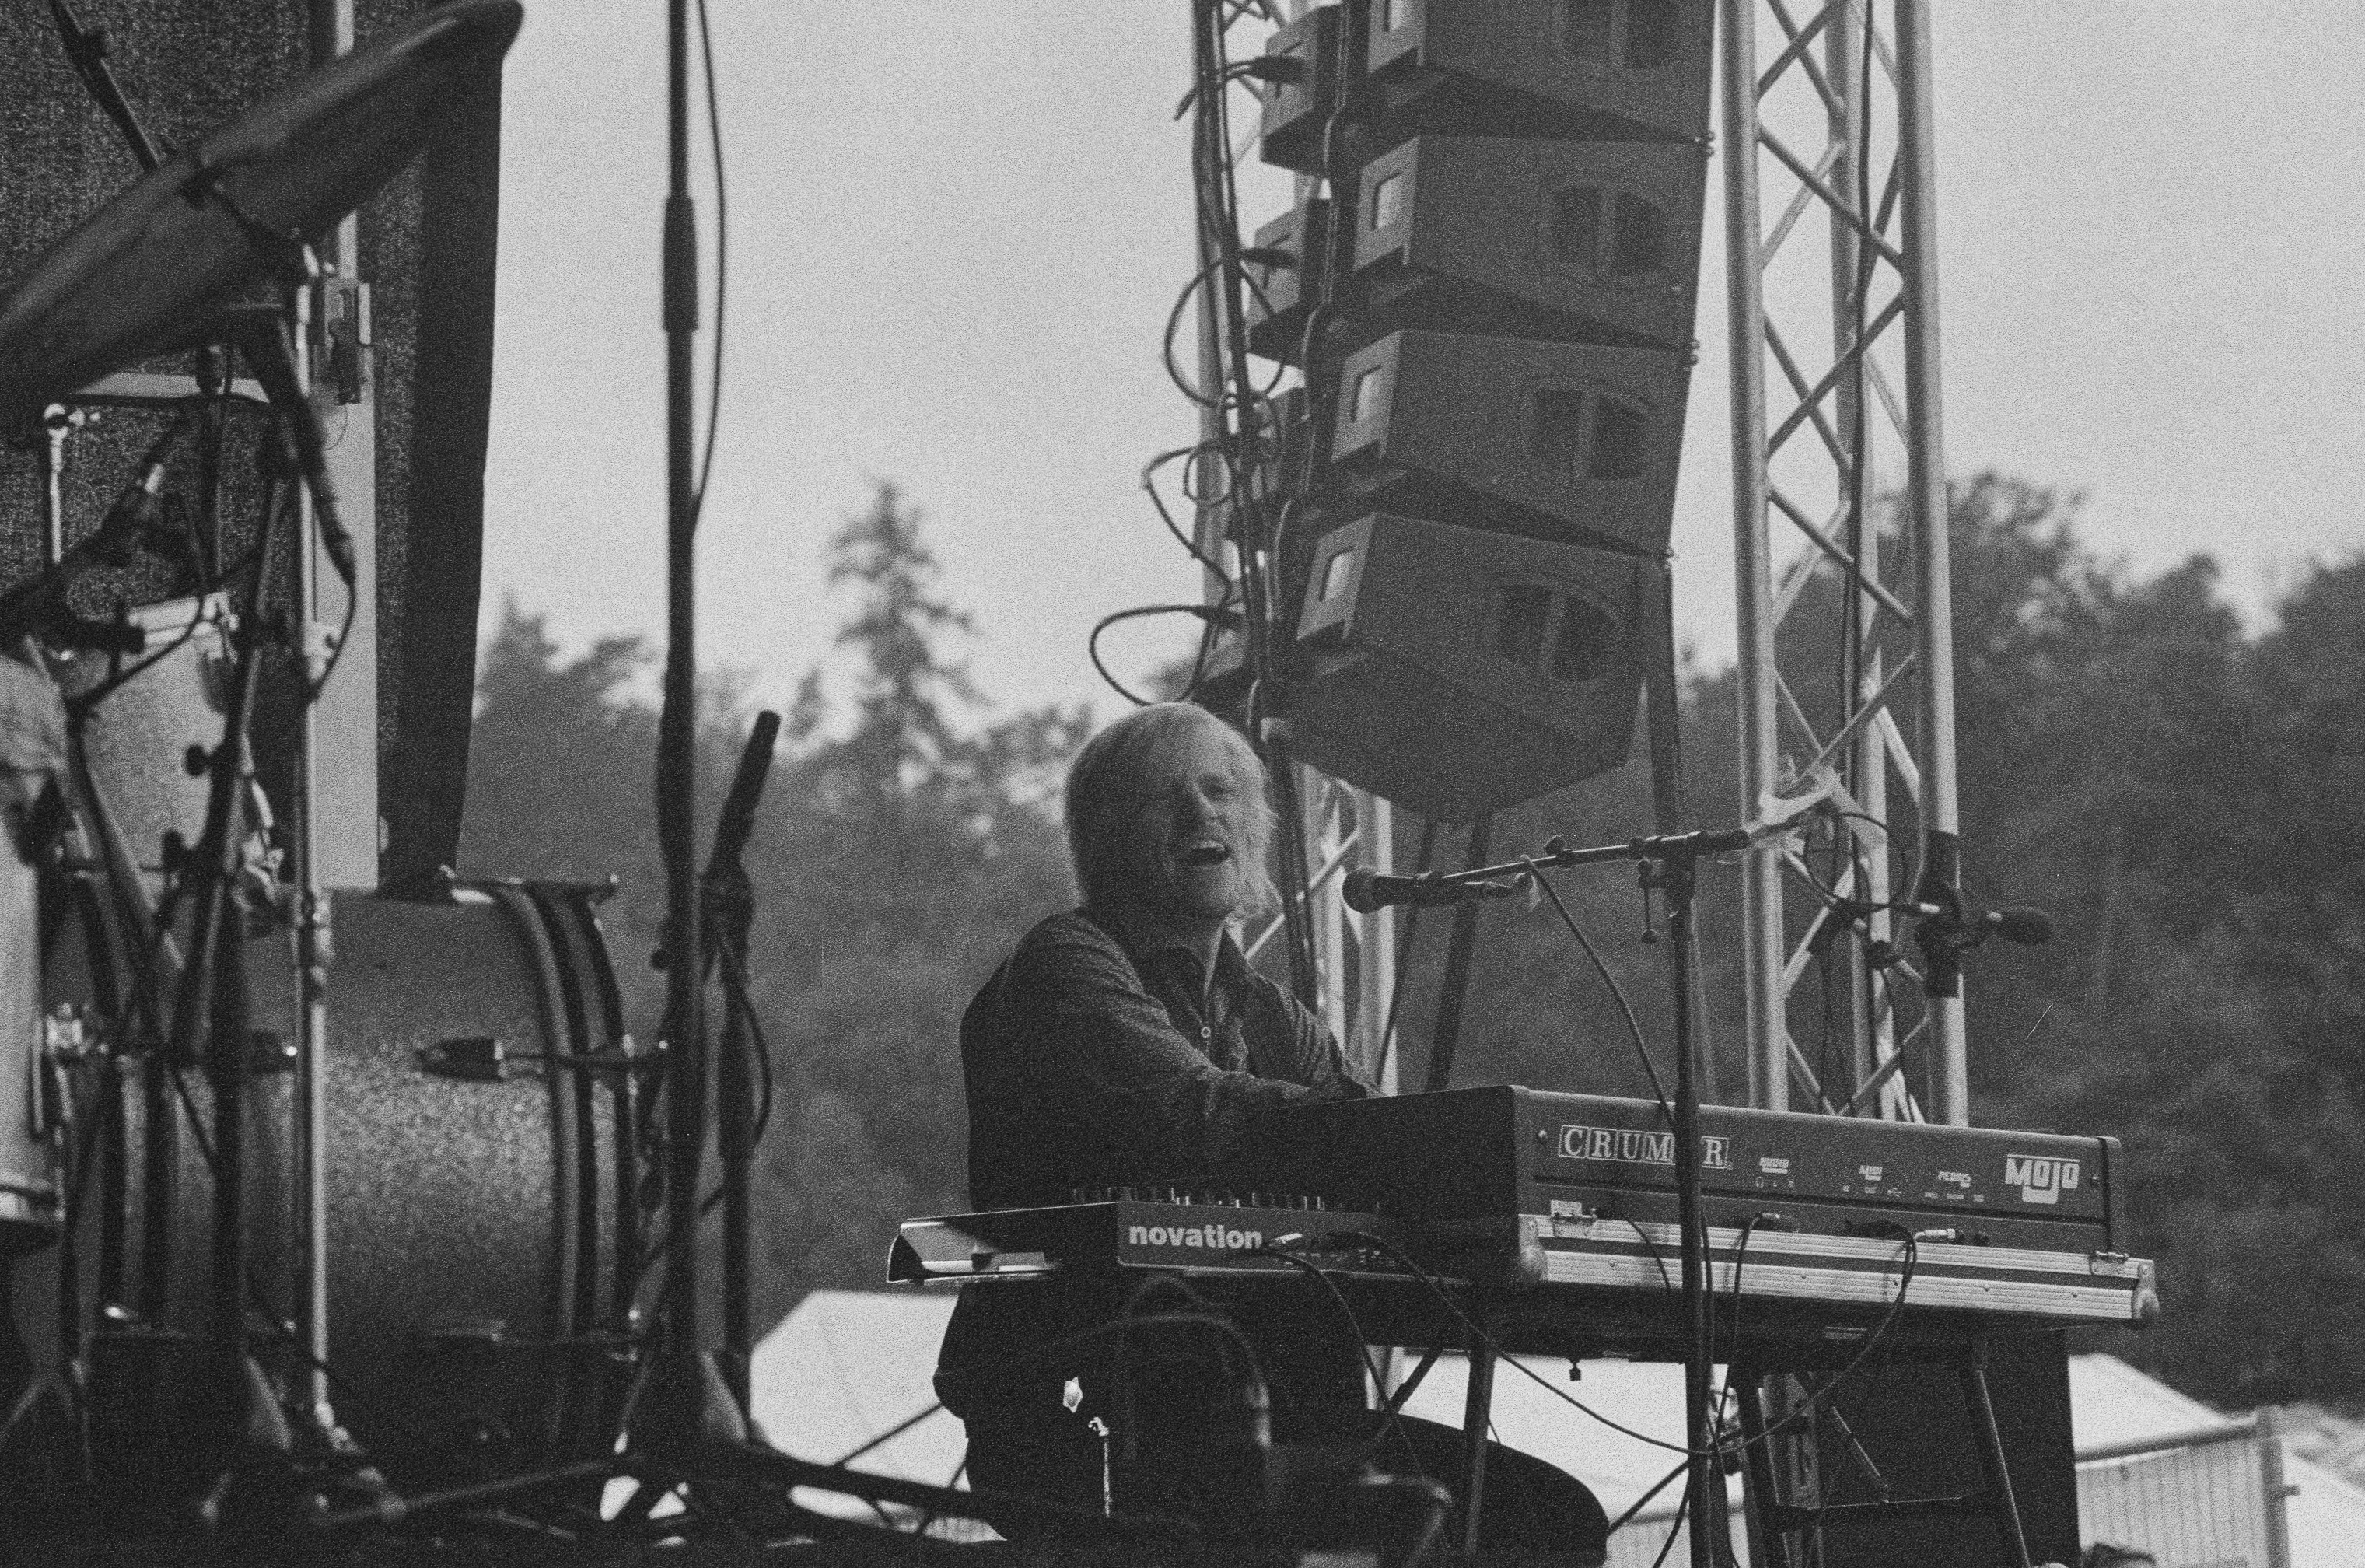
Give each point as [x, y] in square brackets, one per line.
[1573, 443]
[1456, 671]
[1590, 241]
[1604, 70]
[1911, 1424]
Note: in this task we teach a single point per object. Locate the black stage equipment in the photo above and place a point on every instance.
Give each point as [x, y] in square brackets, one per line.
[1910, 1433]
[683, 1406]
[414, 343]
[1365, 889]
[729, 908]
[1463, 670]
[1492, 303]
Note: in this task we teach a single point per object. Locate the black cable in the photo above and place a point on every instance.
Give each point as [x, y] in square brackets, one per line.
[1216, 211]
[1199, 280]
[1259, 67]
[1404, 945]
[1740, 1257]
[1666, 1282]
[721, 267]
[1633, 1025]
[1674, 1527]
[1361, 1342]
[1479, 1336]
[1150, 484]
[82, 704]
[1208, 613]
[1195, 1308]
[1661, 1484]
[337, 653]
[1832, 896]
[1827, 1032]
[736, 982]
[655, 1253]
[889, 1436]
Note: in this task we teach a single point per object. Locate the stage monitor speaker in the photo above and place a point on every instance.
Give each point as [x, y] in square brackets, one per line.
[1583, 240]
[1573, 442]
[1914, 1429]
[1591, 69]
[1457, 671]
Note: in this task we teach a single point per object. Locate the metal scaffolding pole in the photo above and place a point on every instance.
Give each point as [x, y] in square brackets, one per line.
[1760, 885]
[1342, 827]
[1927, 486]
[1823, 455]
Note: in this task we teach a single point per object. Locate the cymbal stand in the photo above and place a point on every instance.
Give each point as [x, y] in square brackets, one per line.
[87, 51]
[314, 953]
[211, 1024]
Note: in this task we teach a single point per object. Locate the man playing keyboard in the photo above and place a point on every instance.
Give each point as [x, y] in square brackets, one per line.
[1128, 1042]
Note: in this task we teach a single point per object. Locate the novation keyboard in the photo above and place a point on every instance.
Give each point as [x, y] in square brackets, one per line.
[1207, 1234]
[1566, 1203]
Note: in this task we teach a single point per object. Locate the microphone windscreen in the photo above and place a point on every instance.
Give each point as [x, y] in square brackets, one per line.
[2030, 927]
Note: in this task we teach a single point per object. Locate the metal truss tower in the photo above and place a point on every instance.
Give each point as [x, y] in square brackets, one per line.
[1804, 125]
[1341, 826]
[1355, 954]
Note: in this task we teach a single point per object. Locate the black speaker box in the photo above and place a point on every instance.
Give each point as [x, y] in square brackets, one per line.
[1915, 1427]
[1603, 70]
[1572, 442]
[1591, 241]
[1457, 671]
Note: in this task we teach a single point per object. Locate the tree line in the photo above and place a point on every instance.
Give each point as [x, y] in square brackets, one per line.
[2187, 800]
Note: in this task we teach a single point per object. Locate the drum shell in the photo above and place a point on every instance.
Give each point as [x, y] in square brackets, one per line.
[136, 739]
[29, 1177]
[472, 1238]
[479, 1300]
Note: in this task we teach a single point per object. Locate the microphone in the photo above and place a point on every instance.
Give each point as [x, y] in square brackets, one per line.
[134, 512]
[1964, 926]
[2029, 927]
[1365, 889]
[1967, 924]
[735, 824]
[267, 351]
[39, 606]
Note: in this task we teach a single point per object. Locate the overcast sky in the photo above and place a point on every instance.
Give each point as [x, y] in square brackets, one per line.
[957, 227]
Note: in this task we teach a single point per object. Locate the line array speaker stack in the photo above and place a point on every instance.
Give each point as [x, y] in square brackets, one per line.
[1488, 282]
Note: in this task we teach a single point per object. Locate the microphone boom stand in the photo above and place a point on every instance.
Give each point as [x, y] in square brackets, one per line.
[683, 1404]
[1670, 863]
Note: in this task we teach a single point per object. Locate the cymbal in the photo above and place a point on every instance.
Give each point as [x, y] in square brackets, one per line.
[145, 273]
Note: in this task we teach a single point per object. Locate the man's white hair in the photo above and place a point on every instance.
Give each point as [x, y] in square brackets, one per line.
[1111, 765]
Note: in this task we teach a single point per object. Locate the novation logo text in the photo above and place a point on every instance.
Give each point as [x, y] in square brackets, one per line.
[1201, 1236]
[1629, 1146]
[2040, 1180]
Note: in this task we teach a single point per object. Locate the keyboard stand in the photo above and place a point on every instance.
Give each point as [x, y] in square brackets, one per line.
[1772, 1521]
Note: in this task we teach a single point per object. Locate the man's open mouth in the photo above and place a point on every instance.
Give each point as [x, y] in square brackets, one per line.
[1206, 853]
